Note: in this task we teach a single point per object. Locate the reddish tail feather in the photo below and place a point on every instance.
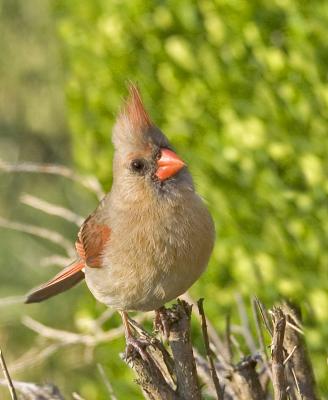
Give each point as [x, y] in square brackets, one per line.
[67, 278]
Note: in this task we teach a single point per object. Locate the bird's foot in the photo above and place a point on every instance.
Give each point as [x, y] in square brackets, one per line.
[139, 345]
[161, 323]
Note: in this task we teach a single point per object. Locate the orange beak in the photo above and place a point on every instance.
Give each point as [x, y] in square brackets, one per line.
[168, 164]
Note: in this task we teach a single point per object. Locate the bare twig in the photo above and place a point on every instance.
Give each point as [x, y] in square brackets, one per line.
[55, 259]
[245, 380]
[215, 340]
[51, 209]
[180, 342]
[277, 352]
[151, 380]
[160, 355]
[8, 301]
[75, 338]
[267, 376]
[290, 355]
[7, 377]
[63, 339]
[259, 331]
[247, 333]
[90, 182]
[32, 391]
[106, 382]
[298, 359]
[264, 315]
[35, 356]
[44, 233]
[228, 339]
[218, 389]
[76, 396]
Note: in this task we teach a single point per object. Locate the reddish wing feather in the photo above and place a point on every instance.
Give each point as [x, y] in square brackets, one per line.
[89, 246]
[91, 241]
[66, 279]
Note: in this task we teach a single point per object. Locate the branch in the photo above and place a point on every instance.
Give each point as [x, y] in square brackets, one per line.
[51, 209]
[180, 342]
[106, 382]
[151, 379]
[7, 377]
[88, 182]
[245, 380]
[37, 392]
[277, 353]
[44, 233]
[298, 358]
[215, 379]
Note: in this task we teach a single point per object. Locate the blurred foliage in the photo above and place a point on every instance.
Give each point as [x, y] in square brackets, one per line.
[241, 90]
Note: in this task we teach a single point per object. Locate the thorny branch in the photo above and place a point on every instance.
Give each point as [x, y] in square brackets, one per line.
[170, 372]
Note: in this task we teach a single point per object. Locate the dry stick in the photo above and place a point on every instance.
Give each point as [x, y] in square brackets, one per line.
[35, 356]
[63, 339]
[237, 346]
[228, 339]
[259, 330]
[153, 373]
[266, 377]
[204, 374]
[75, 338]
[33, 391]
[245, 323]
[180, 342]
[55, 260]
[245, 380]
[106, 382]
[76, 396]
[88, 182]
[264, 315]
[217, 345]
[298, 358]
[7, 376]
[160, 355]
[8, 301]
[47, 234]
[277, 354]
[151, 380]
[51, 209]
[218, 389]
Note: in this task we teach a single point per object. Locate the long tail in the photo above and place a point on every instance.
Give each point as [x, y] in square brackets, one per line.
[67, 278]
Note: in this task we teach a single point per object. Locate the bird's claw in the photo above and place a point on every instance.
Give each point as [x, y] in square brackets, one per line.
[139, 345]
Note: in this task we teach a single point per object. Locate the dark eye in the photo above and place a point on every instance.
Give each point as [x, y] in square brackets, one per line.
[138, 165]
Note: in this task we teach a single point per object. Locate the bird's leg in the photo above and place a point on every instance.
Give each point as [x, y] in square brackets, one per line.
[131, 341]
[161, 323]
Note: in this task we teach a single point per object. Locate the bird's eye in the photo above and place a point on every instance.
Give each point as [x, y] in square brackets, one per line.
[138, 165]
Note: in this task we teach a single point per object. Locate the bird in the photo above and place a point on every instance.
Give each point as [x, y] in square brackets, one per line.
[151, 236]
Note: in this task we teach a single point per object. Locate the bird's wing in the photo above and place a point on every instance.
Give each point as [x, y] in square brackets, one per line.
[91, 241]
[92, 238]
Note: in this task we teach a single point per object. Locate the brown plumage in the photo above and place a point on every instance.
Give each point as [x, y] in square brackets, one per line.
[151, 237]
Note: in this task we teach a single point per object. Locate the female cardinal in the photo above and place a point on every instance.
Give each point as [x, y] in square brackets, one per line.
[151, 237]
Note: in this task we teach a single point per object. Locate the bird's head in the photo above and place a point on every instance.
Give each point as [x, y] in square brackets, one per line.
[144, 158]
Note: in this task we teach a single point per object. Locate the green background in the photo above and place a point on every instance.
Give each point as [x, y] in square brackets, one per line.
[240, 88]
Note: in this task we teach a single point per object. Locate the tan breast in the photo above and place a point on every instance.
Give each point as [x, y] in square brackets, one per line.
[155, 254]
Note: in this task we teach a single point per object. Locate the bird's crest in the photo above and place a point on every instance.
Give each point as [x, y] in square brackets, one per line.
[133, 121]
[134, 109]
